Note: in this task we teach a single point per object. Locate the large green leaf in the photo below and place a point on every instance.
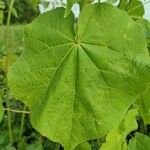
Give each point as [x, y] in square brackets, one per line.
[125, 127]
[80, 84]
[134, 8]
[139, 142]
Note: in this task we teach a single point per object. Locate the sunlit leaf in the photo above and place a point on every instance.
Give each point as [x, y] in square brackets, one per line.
[125, 127]
[79, 84]
[139, 142]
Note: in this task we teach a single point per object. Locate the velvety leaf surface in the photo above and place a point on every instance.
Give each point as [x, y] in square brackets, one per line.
[139, 142]
[116, 140]
[134, 8]
[79, 85]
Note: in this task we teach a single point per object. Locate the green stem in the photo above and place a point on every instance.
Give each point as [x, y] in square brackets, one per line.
[7, 65]
[9, 12]
[22, 122]
[17, 111]
[9, 118]
[57, 146]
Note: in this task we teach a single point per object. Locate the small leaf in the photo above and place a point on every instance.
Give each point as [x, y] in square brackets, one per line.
[14, 12]
[123, 4]
[70, 3]
[34, 3]
[83, 146]
[139, 142]
[125, 127]
[2, 5]
[134, 8]
[35, 146]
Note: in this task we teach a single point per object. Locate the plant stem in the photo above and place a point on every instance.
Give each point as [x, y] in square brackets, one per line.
[17, 111]
[7, 65]
[9, 118]
[9, 12]
[57, 146]
[22, 122]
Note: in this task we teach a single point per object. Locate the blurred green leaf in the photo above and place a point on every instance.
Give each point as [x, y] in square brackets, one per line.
[22, 145]
[35, 146]
[9, 147]
[70, 3]
[139, 142]
[126, 126]
[123, 4]
[112, 1]
[143, 104]
[2, 5]
[14, 12]
[34, 3]
[1, 16]
[134, 8]
[83, 146]
[145, 24]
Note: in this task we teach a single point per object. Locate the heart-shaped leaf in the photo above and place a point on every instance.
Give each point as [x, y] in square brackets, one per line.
[79, 84]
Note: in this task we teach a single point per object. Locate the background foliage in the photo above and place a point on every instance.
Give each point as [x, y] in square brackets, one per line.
[16, 129]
